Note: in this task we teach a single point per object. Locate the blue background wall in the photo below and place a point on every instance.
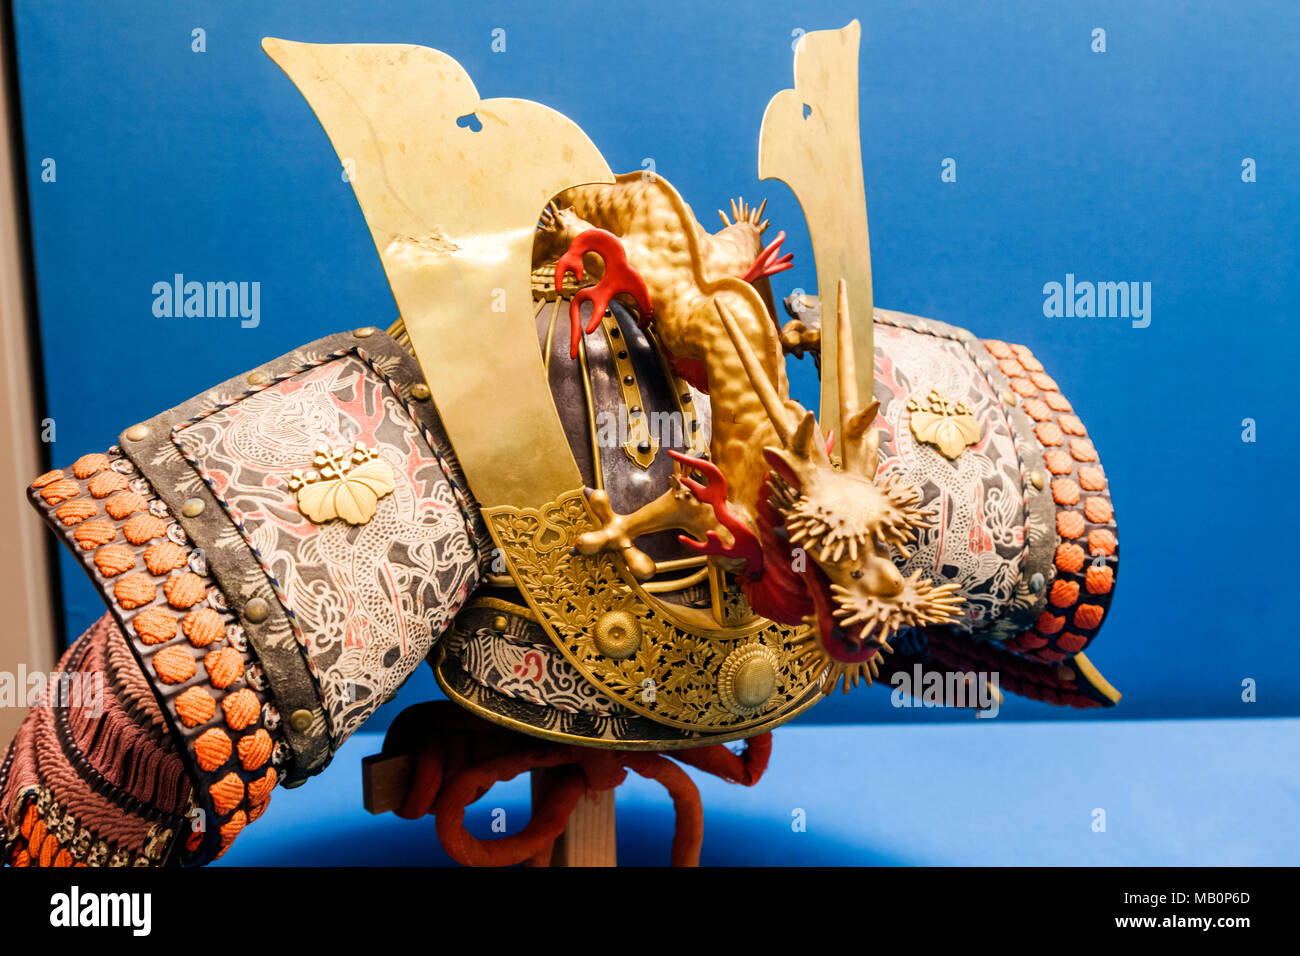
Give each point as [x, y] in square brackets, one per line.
[1123, 165]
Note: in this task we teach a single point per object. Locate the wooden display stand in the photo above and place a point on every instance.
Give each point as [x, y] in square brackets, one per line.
[589, 839]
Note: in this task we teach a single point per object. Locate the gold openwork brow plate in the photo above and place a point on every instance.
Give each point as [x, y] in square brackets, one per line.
[666, 668]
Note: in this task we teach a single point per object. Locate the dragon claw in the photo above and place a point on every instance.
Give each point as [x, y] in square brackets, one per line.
[770, 261]
[613, 534]
[713, 492]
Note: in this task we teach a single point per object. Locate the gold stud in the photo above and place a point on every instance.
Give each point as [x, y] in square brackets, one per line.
[617, 635]
[1010, 398]
[754, 682]
[257, 610]
[420, 392]
[300, 720]
[256, 378]
[500, 623]
[747, 679]
[364, 333]
[1036, 478]
[137, 433]
[192, 507]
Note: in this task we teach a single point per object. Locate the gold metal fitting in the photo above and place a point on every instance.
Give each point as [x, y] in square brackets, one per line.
[747, 679]
[617, 635]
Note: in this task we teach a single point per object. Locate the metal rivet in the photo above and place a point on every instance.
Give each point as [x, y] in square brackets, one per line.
[420, 392]
[1010, 398]
[1036, 478]
[364, 333]
[628, 380]
[293, 784]
[1036, 582]
[192, 507]
[500, 623]
[614, 333]
[622, 353]
[686, 398]
[136, 433]
[256, 378]
[257, 610]
[643, 447]
[300, 720]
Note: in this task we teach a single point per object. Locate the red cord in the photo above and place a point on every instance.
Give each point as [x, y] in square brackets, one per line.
[458, 757]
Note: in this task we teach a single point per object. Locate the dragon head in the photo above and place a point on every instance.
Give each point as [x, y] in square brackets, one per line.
[828, 531]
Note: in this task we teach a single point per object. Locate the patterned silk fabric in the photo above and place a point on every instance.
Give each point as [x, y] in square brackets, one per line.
[981, 534]
[367, 601]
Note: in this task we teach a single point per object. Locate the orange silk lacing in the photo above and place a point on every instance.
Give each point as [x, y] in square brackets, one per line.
[458, 757]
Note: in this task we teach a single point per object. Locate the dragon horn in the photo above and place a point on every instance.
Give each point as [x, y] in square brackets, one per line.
[782, 421]
[806, 443]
